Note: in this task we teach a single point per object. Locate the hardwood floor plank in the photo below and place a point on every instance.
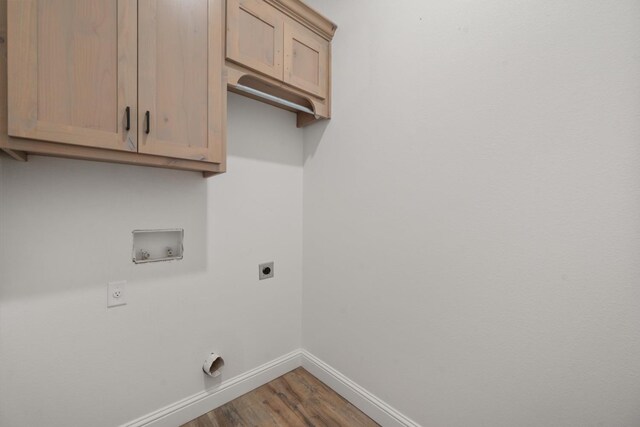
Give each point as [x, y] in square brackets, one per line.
[253, 411]
[294, 399]
[227, 415]
[334, 403]
[294, 402]
[271, 400]
[321, 405]
[211, 419]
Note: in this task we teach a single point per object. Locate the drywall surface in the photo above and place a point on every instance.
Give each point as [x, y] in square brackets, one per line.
[65, 231]
[472, 210]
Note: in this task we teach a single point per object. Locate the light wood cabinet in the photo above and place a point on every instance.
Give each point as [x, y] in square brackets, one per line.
[73, 71]
[281, 49]
[255, 36]
[130, 81]
[181, 79]
[306, 60]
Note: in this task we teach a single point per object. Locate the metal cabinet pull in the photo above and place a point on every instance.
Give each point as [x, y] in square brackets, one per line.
[127, 112]
[147, 119]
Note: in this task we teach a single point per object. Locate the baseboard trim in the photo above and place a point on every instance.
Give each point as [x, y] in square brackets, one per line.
[374, 407]
[200, 403]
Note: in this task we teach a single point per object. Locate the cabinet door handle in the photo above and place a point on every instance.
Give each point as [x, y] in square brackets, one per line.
[127, 112]
[147, 120]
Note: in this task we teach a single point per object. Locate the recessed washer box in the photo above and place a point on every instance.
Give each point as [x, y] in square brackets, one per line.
[157, 245]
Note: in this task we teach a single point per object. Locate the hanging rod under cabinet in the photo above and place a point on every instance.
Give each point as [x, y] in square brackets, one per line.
[275, 99]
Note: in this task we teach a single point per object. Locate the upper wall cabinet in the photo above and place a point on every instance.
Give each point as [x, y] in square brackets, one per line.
[306, 60]
[181, 70]
[73, 71]
[279, 52]
[131, 81]
[255, 36]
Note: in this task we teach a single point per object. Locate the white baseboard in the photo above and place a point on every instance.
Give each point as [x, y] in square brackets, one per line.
[193, 406]
[375, 408]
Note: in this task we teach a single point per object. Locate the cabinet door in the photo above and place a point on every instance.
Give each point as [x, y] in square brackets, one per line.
[182, 91]
[254, 36]
[306, 59]
[72, 71]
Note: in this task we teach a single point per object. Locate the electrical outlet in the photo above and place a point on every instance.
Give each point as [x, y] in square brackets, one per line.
[116, 293]
[265, 271]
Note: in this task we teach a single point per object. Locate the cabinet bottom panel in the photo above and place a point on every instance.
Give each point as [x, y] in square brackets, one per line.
[17, 145]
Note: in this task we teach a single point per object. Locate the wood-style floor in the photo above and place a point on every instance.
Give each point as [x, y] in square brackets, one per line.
[295, 399]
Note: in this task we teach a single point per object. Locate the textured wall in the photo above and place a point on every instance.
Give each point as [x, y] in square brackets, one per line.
[472, 211]
[65, 231]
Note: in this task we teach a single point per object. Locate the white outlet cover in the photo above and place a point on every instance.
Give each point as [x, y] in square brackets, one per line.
[116, 293]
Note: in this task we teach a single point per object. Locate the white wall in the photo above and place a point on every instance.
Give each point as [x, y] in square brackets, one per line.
[65, 231]
[472, 211]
